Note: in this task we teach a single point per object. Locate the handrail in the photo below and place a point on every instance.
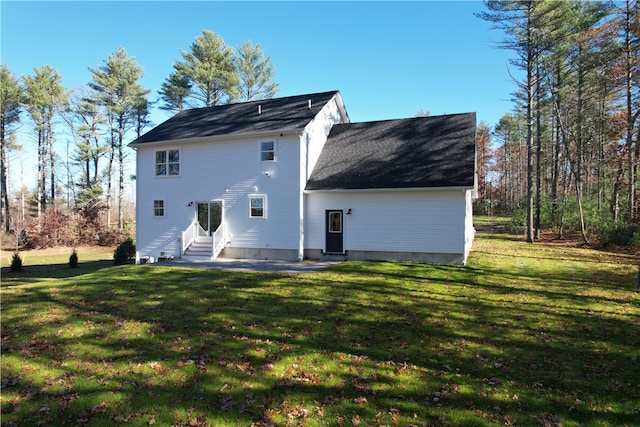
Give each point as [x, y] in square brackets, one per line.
[217, 241]
[187, 237]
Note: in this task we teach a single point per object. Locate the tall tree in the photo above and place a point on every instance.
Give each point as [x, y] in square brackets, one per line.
[11, 99]
[517, 20]
[483, 153]
[208, 64]
[175, 91]
[45, 96]
[631, 52]
[86, 119]
[119, 90]
[256, 73]
[530, 28]
[511, 158]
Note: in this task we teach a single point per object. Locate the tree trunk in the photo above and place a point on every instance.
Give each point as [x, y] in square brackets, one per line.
[529, 89]
[120, 181]
[583, 230]
[52, 166]
[629, 142]
[538, 155]
[41, 175]
[109, 178]
[6, 216]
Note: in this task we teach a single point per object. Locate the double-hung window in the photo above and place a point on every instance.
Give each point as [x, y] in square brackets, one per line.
[158, 208]
[168, 163]
[268, 151]
[257, 206]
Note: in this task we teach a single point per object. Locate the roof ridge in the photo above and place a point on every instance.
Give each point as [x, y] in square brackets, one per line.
[438, 116]
[255, 101]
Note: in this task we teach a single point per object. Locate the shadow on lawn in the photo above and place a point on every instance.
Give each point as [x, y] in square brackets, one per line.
[412, 340]
[33, 273]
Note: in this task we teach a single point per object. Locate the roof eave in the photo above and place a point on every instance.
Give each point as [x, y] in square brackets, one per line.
[388, 189]
[225, 137]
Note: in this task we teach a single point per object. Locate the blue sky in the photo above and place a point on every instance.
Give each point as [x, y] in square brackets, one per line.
[388, 59]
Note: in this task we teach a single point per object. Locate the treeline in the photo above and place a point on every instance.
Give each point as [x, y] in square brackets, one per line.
[567, 155]
[102, 117]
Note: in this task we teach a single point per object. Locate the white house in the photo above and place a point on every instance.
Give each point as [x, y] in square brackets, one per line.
[290, 178]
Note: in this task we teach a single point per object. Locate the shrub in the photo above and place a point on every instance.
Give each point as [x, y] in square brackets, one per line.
[618, 233]
[108, 237]
[16, 262]
[125, 252]
[73, 259]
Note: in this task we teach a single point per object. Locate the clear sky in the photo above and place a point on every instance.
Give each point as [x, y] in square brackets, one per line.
[388, 59]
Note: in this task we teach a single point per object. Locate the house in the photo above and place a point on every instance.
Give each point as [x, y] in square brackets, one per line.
[293, 178]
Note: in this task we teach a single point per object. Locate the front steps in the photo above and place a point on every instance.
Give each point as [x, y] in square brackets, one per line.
[200, 249]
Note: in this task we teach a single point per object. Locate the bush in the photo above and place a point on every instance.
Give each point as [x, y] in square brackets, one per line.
[618, 233]
[125, 252]
[16, 262]
[108, 237]
[73, 259]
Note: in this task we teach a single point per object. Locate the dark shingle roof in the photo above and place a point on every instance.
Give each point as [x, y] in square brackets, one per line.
[276, 115]
[437, 151]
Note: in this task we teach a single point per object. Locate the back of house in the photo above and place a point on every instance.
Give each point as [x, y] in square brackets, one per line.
[291, 177]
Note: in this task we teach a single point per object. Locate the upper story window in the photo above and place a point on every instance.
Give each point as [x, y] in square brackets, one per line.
[168, 163]
[268, 151]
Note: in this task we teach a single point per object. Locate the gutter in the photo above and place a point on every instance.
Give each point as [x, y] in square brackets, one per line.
[387, 190]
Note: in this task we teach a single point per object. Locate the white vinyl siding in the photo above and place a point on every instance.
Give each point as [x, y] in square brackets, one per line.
[222, 170]
[429, 221]
[231, 170]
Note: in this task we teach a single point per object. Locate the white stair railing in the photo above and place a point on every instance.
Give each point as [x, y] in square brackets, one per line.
[217, 242]
[188, 237]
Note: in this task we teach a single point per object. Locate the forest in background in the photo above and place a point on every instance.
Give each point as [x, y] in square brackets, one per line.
[564, 159]
[104, 116]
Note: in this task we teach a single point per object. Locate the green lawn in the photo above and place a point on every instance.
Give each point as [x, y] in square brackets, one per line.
[534, 335]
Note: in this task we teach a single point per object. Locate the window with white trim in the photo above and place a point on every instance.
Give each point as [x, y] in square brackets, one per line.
[268, 151]
[258, 206]
[158, 208]
[168, 162]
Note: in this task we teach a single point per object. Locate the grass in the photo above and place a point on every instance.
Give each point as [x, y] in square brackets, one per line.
[524, 335]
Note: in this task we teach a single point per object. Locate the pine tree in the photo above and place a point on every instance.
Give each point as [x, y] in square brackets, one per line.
[255, 72]
[523, 23]
[208, 65]
[11, 98]
[45, 96]
[116, 83]
[175, 91]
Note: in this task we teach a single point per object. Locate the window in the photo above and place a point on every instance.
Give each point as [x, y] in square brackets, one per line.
[335, 222]
[257, 208]
[158, 208]
[267, 151]
[168, 163]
